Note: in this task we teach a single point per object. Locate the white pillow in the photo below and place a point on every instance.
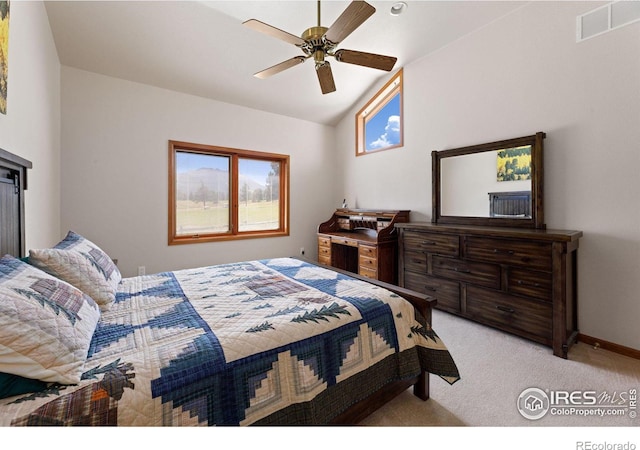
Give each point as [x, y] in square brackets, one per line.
[46, 325]
[83, 264]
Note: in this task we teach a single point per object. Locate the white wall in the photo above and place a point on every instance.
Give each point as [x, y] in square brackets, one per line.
[115, 137]
[31, 127]
[522, 74]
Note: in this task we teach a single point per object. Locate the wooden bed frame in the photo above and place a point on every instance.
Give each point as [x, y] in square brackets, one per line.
[424, 305]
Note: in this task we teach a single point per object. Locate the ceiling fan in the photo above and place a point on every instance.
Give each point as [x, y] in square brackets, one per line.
[319, 42]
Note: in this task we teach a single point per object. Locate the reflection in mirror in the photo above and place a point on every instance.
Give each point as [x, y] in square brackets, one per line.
[493, 184]
[487, 184]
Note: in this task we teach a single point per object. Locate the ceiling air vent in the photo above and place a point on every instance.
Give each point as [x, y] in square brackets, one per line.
[607, 18]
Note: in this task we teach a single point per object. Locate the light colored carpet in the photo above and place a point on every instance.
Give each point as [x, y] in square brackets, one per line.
[496, 368]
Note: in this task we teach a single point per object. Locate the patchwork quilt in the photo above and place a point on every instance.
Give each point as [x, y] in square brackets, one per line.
[267, 342]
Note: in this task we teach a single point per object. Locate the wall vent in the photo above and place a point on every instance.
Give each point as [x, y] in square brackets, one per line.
[607, 18]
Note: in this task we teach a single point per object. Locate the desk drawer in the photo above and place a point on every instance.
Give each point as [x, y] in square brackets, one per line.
[366, 261]
[471, 272]
[510, 312]
[368, 272]
[324, 241]
[534, 255]
[324, 251]
[326, 260]
[446, 292]
[344, 241]
[368, 251]
[442, 244]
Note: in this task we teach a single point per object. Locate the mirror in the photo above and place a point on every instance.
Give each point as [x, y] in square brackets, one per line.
[493, 184]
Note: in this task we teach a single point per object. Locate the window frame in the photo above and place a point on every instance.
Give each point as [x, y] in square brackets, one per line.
[234, 155]
[373, 107]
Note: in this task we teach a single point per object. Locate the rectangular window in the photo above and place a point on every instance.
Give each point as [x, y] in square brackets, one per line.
[259, 195]
[218, 193]
[379, 122]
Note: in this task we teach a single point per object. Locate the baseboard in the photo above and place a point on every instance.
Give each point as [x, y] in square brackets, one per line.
[616, 348]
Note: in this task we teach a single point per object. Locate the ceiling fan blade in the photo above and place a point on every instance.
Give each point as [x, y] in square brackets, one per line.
[284, 65]
[350, 19]
[372, 60]
[325, 77]
[273, 32]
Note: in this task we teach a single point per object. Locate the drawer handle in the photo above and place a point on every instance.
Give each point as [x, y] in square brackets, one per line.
[428, 243]
[456, 269]
[505, 309]
[524, 283]
[430, 288]
[508, 252]
[417, 261]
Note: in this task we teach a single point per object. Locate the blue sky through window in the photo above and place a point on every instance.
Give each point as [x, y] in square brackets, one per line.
[383, 129]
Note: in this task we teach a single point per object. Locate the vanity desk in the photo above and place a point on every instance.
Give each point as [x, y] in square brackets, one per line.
[490, 258]
[362, 241]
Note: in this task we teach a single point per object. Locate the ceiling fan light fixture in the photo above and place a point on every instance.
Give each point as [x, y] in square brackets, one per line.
[398, 8]
[318, 42]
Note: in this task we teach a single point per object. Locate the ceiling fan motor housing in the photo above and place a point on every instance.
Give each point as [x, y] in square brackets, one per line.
[315, 44]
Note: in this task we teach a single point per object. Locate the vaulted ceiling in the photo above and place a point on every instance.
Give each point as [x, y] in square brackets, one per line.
[202, 48]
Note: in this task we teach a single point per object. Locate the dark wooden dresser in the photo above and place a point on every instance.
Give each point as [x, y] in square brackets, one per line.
[362, 241]
[519, 280]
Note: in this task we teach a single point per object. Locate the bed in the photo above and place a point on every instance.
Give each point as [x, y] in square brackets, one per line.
[282, 341]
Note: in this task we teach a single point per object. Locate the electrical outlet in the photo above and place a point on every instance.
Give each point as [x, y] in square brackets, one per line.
[141, 270]
[302, 251]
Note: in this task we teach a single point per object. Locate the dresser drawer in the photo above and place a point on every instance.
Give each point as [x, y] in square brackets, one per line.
[525, 253]
[470, 272]
[446, 292]
[324, 241]
[442, 244]
[526, 317]
[529, 283]
[415, 262]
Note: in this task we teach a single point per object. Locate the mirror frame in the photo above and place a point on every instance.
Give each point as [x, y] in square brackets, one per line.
[537, 168]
